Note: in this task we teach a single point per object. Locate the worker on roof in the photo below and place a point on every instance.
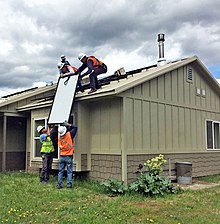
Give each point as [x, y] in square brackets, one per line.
[66, 69]
[95, 68]
[64, 60]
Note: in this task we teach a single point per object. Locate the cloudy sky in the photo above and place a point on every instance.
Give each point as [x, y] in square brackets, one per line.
[123, 33]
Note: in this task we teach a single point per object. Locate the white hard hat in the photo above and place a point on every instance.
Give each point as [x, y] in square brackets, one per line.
[40, 128]
[62, 130]
[81, 56]
[62, 56]
[60, 65]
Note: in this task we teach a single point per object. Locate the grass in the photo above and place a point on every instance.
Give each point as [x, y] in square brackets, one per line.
[24, 200]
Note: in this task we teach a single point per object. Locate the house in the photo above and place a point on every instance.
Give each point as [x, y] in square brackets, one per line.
[15, 127]
[172, 109]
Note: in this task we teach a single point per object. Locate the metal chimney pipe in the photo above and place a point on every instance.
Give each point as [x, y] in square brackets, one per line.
[160, 40]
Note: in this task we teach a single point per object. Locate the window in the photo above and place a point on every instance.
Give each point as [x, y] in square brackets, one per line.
[198, 91]
[37, 144]
[213, 134]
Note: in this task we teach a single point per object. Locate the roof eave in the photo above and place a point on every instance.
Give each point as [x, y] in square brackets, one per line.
[97, 94]
[27, 95]
[34, 106]
[162, 70]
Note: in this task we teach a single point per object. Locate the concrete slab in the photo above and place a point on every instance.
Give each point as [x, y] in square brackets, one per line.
[198, 185]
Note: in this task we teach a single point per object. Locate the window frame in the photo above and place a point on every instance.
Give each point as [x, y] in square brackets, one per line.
[214, 132]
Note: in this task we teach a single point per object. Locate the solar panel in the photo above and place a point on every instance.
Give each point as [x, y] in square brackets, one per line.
[63, 100]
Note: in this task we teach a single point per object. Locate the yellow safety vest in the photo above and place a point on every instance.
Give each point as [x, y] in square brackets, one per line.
[47, 146]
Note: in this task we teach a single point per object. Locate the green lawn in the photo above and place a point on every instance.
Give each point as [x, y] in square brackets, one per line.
[24, 200]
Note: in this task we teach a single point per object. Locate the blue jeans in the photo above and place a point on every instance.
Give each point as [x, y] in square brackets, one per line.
[65, 161]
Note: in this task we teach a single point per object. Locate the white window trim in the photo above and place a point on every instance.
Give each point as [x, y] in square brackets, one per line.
[213, 139]
[36, 138]
[34, 157]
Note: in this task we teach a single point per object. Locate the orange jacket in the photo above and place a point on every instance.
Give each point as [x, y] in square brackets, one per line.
[68, 69]
[74, 69]
[95, 61]
[66, 145]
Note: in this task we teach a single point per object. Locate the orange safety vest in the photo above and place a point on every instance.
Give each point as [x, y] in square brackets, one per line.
[96, 63]
[74, 69]
[66, 143]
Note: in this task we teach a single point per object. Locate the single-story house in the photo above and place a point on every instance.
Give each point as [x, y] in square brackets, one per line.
[172, 109]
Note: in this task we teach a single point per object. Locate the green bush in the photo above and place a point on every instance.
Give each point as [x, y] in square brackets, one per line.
[150, 182]
[150, 185]
[114, 187]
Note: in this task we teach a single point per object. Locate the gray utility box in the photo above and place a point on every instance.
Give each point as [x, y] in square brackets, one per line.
[184, 172]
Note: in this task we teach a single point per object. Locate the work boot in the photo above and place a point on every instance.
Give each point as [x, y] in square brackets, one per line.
[98, 87]
[80, 88]
[92, 90]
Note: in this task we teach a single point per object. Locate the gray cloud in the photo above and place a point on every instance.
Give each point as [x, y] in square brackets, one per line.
[36, 32]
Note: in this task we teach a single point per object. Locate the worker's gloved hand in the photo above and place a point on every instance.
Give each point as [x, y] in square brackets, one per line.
[65, 123]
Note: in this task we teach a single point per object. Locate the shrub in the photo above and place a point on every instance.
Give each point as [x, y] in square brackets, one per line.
[150, 183]
[114, 187]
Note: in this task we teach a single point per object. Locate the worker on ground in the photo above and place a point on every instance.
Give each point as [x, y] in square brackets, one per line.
[95, 68]
[47, 151]
[54, 138]
[66, 145]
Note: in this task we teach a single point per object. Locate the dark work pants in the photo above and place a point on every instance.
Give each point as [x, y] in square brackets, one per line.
[47, 160]
[93, 77]
[79, 84]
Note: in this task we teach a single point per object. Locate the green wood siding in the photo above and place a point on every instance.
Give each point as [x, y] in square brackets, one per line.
[105, 126]
[157, 127]
[166, 114]
[169, 123]
[83, 123]
[146, 134]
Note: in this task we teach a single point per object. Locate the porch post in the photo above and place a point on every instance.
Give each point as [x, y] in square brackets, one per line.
[4, 136]
[124, 141]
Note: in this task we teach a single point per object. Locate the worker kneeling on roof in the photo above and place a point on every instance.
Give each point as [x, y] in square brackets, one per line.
[95, 68]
